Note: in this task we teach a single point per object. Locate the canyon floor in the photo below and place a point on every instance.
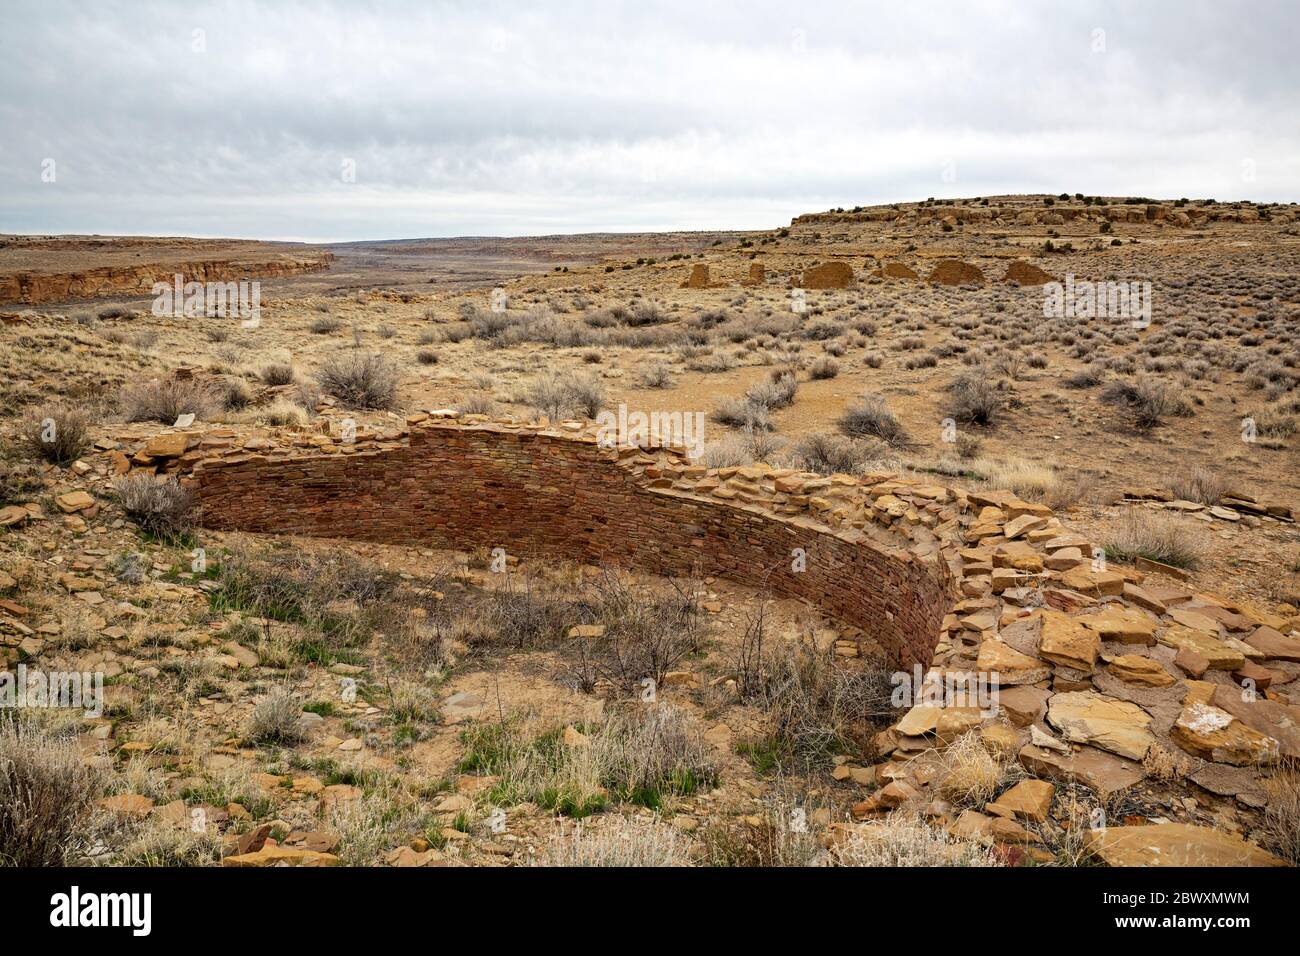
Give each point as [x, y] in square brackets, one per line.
[282, 700]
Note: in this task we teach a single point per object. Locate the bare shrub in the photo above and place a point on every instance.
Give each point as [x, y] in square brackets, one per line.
[648, 631]
[658, 375]
[778, 392]
[361, 380]
[823, 368]
[277, 373]
[563, 395]
[870, 417]
[815, 707]
[46, 794]
[828, 454]
[1149, 400]
[1088, 377]
[163, 508]
[741, 413]
[325, 325]
[55, 433]
[165, 401]
[974, 397]
[235, 394]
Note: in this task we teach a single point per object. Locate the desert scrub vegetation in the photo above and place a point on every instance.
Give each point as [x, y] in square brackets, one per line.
[975, 398]
[1150, 401]
[167, 400]
[335, 601]
[649, 631]
[814, 707]
[54, 433]
[743, 414]
[47, 794]
[1156, 536]
[565, 395]
[1200, 485]
[643, 756]
[870, 417]
[1281, 824]
[361, 380]
[162, 507]
[906, 839]
[971, 775]
[277, 719]
[828, 454]
[616, 841]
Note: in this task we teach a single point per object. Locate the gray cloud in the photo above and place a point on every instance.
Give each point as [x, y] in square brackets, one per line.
[499, 118]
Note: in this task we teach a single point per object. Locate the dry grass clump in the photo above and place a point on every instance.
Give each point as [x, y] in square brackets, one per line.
[361, 380]
[162, 508]
[1273, 422]
[619, 842]
[730, 451]
[1200, 485]
[277, 719]
[973, 776]
[333, 602]
[1156, 536]
[1281, 824]
[158, 843]
[903, 839]
[55, 433]
[870, 417]
[46, 795]
[641, 757]
[476, 403]
[781, 836]
[283, 413]
[165, 401]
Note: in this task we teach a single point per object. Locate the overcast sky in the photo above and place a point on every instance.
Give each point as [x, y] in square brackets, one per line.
[244, 118]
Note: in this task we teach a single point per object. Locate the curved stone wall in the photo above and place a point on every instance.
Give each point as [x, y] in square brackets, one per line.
[550, 492]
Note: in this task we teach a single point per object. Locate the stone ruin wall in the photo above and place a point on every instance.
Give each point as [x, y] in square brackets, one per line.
[539, 493]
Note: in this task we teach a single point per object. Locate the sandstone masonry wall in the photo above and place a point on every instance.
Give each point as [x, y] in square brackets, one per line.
[539, 493]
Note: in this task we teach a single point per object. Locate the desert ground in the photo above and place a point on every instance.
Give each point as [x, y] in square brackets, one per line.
[292, 699]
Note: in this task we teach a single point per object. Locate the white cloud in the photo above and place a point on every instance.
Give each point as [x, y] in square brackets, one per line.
[497, 118]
